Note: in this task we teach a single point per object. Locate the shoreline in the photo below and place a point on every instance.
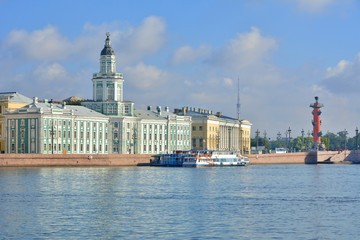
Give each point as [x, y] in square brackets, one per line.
[117, 160]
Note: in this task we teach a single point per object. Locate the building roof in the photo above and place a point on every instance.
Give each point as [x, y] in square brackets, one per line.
[77, 110]
[202, 113]
[14, 97]
[107, 50]
[156, 114]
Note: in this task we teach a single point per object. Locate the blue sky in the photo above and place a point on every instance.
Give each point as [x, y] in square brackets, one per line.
[191, 53]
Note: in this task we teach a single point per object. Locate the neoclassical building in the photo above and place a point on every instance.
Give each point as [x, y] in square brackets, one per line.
[48, 128]
[214, 131]
[134, 131]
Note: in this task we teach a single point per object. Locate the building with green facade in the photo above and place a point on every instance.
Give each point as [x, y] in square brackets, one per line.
[134, 131]
[56, 128]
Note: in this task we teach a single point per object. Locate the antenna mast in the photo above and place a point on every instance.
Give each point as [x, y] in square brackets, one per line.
[238, 100]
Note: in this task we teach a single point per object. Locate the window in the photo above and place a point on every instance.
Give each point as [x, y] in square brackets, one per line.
[64, 146]
[22, 133]
[64, 123]
[87, 147]
[145, 127]
[55, 147]
[149, 148]
[75, 134]
[94, 148]
[81, 147]
[200, 128]
[155, 127]
[13, 147]
[150, 127]
[106, 148]
[82, 135]
[100, 135]
[94, 125]
[106, 135]
[100, 148]
[144, 136]
[150, 136]
[87, 135]
[115, 135]
[155, 148]
[69, 134]
[194, 142]
[127, 109]
[128, 125]
[194, 128]
[110, 92]
[22, 122]
[160, 137]
[144, 148]
[74, 147]
[13, 123]
[94, 134]
[82, 124]
[64, 135]
[155, 137]
[116, 125]
[68, 147]
[59, 146]
[13, 133]
[59, 134]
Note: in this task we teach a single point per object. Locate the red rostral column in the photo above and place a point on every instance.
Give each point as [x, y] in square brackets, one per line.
[316, 122]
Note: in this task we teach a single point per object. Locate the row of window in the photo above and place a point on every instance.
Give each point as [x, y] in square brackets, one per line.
[61, 147]
[49, 133]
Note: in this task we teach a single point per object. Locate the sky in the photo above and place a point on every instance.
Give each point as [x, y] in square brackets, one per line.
[186, 53]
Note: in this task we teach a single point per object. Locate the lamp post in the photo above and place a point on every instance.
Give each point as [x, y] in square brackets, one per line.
[278, 138]
[289, 131]
[302, 139]
[257, 139]
[357, 135]
[345, 133]
[265, 139]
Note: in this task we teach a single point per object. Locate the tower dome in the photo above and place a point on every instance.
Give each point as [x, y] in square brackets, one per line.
[107, 50]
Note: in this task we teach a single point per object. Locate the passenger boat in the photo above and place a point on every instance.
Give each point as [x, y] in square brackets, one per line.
[215, 158]
[175, 159]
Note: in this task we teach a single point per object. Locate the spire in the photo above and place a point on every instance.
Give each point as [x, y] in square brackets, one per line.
[107, 47]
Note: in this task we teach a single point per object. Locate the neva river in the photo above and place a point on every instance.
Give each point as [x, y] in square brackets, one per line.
[254, 202]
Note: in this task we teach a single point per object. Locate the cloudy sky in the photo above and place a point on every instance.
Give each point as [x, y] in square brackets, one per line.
[192, 53]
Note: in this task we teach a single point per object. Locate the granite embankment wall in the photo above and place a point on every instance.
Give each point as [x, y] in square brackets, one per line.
[33, 160]
[37, 160]
[284, 158]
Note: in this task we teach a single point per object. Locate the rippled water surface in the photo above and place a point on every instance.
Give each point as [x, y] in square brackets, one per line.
[255, 202]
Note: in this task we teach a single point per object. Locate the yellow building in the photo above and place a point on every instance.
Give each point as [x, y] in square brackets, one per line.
[210, 131]
[9, 100]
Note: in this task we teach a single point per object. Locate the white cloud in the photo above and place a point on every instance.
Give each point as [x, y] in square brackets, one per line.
[344, 78]
[45, 44]
[228, 82]
[145, 77]
[314, 5]
[247, 49]
[187, 54]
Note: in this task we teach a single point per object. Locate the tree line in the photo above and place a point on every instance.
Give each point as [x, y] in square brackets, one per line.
[332, 142]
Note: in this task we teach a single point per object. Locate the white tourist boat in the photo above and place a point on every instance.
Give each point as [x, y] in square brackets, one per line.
[215, 158]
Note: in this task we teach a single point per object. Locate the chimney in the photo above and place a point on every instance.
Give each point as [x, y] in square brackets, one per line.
[35, 100]
[64, 105]
[158, 109]
[183, 111]
[149, 108]
[167, 109]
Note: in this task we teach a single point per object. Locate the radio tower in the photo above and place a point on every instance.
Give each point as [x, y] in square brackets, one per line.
[238, 101]
[316, 122]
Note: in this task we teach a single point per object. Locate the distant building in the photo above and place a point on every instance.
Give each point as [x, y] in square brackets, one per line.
[8, 101]
[134, 131]
[214, 131]
[56, 128]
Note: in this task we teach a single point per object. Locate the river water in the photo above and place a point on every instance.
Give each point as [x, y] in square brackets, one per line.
[254, 202]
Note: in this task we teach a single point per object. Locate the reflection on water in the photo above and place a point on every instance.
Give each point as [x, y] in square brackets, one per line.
[255, 202]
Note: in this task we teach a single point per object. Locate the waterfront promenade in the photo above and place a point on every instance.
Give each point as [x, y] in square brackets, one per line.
[38, 160]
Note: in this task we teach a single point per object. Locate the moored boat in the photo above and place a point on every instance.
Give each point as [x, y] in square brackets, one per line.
[215, 158]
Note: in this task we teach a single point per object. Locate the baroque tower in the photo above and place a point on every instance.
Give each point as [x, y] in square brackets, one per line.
[316, 122]
[108, 86]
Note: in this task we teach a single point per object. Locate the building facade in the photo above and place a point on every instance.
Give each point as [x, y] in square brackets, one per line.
[212, 131]
[49, 128]
[134, 131]
[8, 101]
